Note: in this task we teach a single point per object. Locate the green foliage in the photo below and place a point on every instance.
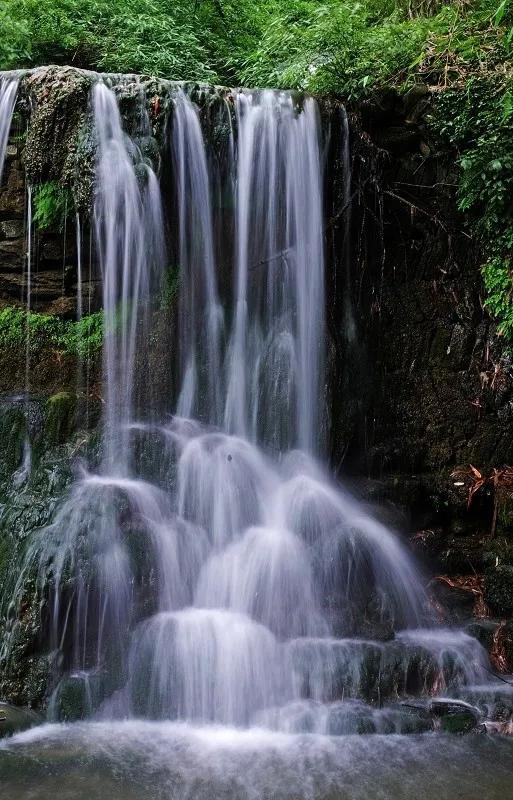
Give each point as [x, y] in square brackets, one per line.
[343, 46]
[177, 39]
[45, 329]
[335, 46]
[14, 38]
[322, 45]
[89, 333]
[83, 338]
[52, 203]
[477, 122]
[499, 288]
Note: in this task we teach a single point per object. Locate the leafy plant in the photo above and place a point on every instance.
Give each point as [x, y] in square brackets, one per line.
[477, 123]
[85, 336]
[498, 280]
[52, 204]
[499, 480]
[322, 45]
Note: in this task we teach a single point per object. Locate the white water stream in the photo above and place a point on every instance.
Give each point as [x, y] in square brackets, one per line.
[242, 589]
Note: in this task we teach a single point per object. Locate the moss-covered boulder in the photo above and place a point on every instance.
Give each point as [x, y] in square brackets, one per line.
[60, 417]
[59, 145]
[40, 439]
[14, 719]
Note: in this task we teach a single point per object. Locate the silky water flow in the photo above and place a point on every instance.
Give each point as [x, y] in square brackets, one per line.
[242, 587]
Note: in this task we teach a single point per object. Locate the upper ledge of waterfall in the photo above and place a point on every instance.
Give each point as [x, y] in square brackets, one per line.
[55, 106]
[53, 73]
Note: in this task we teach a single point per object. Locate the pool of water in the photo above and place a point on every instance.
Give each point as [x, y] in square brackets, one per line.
[140, 760]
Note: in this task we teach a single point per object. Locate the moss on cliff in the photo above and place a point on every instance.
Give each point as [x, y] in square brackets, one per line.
[78, 338]
[39, 441]
[59, 146]
[60, 417]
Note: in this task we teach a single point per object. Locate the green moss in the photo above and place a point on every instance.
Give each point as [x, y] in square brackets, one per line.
[52, 205]
[59, 154]
[83, 338]
[72, 702]
[60, 417]
[458, 722]
[44, 329]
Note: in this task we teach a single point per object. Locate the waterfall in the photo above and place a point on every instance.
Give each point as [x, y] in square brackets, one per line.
[275, 372]
[129, 234]
[8, 94]
[243, 585]
[201, 315]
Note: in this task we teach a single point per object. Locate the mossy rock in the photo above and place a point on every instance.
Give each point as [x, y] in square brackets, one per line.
[13, 431]
[25, 674]
[458, 722]
[498, 589]
[60, 417]
[14, 719]
[59, 146]
[71, 700]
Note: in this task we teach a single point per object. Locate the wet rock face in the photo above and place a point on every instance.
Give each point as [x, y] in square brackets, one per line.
[52, 291]
[39, 441]
[423, 384]
[12, 223]
[14, 719]
[50, 145]
[429, 385]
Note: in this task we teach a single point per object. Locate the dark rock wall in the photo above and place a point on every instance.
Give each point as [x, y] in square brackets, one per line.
[425, 385]
[53, 281]
[12, 221]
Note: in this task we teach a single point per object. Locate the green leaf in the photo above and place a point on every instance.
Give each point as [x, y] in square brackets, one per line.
[501, 10]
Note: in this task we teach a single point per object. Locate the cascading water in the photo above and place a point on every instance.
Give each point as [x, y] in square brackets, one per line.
[275, 357]
[8, 93]
[129, 236]
[243, 586]
[86, 536]
[201, 315]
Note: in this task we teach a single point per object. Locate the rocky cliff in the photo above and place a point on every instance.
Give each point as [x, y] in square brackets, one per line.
[419, 381]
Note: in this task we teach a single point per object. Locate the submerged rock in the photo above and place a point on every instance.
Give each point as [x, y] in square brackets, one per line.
[448, 714]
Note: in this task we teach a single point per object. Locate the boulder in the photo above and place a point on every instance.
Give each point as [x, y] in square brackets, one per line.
[14, 719]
